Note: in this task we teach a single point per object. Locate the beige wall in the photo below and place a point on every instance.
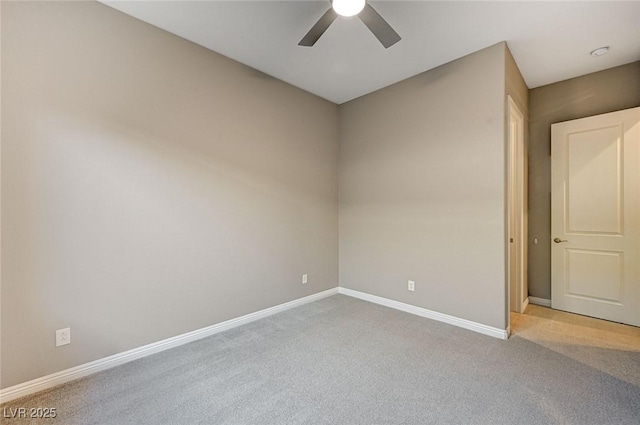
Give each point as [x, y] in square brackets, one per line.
[149, 187]
[598, 93]
[422, 190]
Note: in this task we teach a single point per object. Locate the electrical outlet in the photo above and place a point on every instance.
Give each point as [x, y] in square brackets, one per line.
[411, 285]
[63, 337]
[304, 279]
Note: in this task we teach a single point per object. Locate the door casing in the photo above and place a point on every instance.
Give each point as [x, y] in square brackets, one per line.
[517, 208]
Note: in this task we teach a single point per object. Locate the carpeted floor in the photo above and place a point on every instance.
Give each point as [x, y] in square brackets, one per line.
[345, 361]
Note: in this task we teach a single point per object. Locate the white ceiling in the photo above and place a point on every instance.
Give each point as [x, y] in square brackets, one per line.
[550, 40]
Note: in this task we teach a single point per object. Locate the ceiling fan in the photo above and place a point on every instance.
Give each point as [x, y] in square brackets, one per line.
[367, 14]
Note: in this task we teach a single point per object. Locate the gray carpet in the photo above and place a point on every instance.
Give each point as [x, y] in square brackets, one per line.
[345, 361]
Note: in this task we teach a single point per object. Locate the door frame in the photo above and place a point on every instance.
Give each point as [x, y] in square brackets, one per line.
[516, 242]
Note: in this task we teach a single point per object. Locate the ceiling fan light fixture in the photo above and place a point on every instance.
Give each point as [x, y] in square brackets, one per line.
[380, 28]
[348, 7]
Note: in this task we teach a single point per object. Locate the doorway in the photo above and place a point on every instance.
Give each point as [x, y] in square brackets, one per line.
[516, 215]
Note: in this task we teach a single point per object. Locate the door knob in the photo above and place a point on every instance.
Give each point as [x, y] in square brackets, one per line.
[558, 240]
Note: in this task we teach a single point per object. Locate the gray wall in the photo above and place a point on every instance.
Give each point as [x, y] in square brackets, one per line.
[149, 187]
[422, 189]
[598, 93]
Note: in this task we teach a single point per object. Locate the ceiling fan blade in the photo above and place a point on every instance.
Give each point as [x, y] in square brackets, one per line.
[379, 27]
[319, 28]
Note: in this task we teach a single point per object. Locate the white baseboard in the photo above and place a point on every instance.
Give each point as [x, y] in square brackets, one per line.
[45, 382]
[429, 314]
[525, 304]
[540, 301]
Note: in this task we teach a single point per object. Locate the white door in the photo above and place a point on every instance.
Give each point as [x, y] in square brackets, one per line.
[595, 216]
